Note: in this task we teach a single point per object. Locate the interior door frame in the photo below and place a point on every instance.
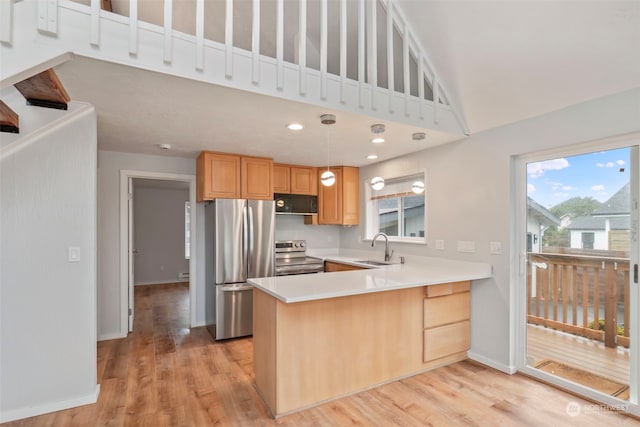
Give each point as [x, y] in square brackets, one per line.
[126, 288]
[520, 246]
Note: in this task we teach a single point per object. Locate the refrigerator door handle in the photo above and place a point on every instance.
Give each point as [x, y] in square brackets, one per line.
[251, 242]
[245, 243]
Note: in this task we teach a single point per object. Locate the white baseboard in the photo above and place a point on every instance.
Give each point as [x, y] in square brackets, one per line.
[198, 324]
[163, 282]
[112, 336]
[45, 408]
[507, 369]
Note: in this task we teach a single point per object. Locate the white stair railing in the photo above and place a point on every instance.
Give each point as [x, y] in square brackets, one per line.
[337, 50]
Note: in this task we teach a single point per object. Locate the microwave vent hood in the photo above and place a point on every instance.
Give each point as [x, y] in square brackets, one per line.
[297, 204]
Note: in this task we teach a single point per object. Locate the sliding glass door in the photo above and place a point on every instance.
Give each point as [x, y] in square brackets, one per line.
[578, 299]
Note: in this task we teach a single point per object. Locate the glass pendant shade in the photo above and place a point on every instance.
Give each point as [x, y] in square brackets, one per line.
[328, 178]
[377, 183]
[418, 187]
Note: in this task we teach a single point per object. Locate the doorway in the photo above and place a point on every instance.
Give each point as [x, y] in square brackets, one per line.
[577, 296]
[127, 232]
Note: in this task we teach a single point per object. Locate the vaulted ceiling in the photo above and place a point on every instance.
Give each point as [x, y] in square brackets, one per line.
[501, 62]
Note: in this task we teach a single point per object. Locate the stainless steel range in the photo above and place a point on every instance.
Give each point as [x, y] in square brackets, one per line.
[291, 258]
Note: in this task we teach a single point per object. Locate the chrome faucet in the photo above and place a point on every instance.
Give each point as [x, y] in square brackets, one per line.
[387, 254]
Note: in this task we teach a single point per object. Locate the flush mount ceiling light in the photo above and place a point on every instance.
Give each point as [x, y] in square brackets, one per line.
[418, 136]
[377, 183]
[372, 156]
[377, 140]
[417, 187]
[327, 178]
[377, 129]
[295, 126]
[164, 146]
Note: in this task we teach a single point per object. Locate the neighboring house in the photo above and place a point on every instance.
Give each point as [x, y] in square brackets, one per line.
[413, 220]
[539, 219]
[565, 220]
[607, 228]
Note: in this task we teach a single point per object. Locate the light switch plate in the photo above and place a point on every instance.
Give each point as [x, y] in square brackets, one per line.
[440, 245]
[74, 254]
[495, 248]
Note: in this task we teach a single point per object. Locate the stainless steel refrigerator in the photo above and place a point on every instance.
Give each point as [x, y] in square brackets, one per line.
[239, 245]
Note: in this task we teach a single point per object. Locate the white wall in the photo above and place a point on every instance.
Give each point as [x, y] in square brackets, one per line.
[109, 165]
[159, 234]
[48, 304]
[292, 227]
[600, 239]
[470, 196]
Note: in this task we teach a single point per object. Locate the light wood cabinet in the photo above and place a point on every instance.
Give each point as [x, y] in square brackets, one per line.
[217, 175]
[281, 179]
[292, 179]
[339, 204]
[257, 178]
[332, 266]
[447, 332]
[231, 176]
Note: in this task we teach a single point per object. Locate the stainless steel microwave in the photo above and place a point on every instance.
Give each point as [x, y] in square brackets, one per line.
[296, 204]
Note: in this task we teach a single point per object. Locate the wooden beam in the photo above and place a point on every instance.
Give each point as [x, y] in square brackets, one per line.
[9, 120]
[44, 90]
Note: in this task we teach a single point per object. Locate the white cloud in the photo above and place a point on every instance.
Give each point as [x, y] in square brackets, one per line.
[608, 164]
[531, 188]
[620, 162]
[599, 187]
[537, 169]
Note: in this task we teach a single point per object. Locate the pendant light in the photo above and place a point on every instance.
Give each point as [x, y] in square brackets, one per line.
[377, 183]
[327, 178]
[417, 187]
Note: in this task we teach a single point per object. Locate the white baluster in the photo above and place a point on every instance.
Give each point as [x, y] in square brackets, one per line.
[228, 39]
[255, 43]
[407, 71]
[6, 21]
[420, 86]
[200, 35]
[436, 100]
[168, 31]
[280, 45]
[390, 76]
[373, 50]
[302, 47]
[323, 49]
[361, 14]
[343, 48]
[133, 27]
[95, 22]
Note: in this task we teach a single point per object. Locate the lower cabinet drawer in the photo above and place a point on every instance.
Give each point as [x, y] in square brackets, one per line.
[446, 340]
[447, 309]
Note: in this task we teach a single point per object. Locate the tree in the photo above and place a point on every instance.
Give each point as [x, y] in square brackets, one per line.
[575, 207]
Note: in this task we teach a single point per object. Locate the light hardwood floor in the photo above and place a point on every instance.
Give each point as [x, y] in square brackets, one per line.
[164, 374]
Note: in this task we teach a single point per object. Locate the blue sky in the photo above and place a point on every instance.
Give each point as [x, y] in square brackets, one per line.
[596, 174]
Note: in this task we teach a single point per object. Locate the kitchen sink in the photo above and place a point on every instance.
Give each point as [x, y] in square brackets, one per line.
[372, 262]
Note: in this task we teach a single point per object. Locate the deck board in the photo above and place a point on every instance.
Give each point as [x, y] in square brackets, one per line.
[591, 355]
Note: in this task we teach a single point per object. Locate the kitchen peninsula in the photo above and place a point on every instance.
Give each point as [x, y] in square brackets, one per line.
[321, 336]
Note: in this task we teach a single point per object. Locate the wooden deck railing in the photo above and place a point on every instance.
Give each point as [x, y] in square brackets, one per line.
[580, 294]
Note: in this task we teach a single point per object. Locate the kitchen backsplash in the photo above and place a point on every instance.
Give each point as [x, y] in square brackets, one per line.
[292, 227]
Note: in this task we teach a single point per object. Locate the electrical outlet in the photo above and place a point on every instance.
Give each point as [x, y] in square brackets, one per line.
[495, 248]
[440, 245]
[74, 254]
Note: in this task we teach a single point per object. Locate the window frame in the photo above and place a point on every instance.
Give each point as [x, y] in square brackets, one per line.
[372, 225]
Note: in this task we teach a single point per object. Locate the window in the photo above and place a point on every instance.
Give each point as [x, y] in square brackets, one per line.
[587, 240]
[187, 230]
[396, 210]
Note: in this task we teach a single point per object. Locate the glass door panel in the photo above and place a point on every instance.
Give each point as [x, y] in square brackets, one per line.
[580, 257]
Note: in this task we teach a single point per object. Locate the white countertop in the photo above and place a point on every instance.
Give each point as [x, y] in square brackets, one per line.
[419, 271]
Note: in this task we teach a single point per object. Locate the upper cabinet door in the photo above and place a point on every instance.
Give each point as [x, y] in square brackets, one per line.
[281, 179]
[257, 178]
[330, 200]
[350, 196]
[218, 175]
[304, 180]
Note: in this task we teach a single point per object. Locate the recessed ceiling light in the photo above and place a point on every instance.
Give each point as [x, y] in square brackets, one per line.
[372, 156]
[164, 146]
[295, 126]
[377, 140]
[418, 136]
